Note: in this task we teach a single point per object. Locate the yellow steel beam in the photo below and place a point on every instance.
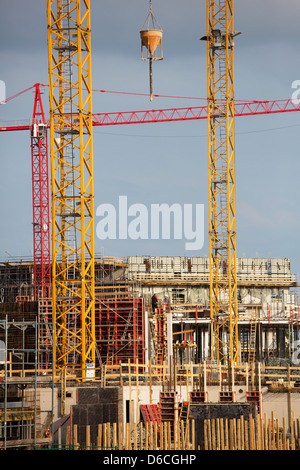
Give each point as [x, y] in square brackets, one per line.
[221, 180]
[71, 144]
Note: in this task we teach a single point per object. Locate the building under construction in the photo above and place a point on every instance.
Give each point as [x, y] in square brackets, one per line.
[147, 359]
[142, 352]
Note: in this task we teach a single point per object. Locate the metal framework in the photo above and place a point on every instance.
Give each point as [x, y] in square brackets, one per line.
[221, 180]
[251, 108]
[71, 124]
[120, 330]
[40, 199]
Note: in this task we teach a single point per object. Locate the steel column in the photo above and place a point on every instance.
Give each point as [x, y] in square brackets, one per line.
[221, 180]
[71, 125]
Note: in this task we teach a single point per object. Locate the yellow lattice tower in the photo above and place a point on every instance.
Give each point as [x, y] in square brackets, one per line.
[221, 180]
[70, 93]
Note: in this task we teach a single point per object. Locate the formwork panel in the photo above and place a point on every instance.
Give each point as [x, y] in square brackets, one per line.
[95, 406]
[92, 415]
[120, 329]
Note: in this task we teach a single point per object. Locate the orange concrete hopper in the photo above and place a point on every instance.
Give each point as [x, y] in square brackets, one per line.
[151, 38]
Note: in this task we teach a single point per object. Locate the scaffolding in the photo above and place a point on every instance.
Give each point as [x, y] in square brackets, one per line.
[16, 280]
[22, 422]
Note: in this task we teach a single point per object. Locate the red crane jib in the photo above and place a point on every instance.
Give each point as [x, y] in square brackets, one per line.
[251, 108]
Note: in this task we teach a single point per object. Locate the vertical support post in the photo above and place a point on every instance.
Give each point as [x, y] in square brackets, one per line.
[71, 143]
[221, 180]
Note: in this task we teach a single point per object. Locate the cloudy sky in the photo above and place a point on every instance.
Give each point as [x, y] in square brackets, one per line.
[167, 162]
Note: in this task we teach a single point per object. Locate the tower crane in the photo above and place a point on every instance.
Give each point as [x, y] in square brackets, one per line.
[192, 113]
[220, 36]
[71, 137]
[39, 151]
[72, 186]
[40, 199]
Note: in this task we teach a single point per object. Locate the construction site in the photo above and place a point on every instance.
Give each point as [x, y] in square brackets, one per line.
[149, 352]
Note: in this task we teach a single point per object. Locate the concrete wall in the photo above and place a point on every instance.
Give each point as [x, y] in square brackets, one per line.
[277, 402]
[281, 403]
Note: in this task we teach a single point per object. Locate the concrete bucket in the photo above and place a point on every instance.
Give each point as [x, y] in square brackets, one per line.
[151, 39]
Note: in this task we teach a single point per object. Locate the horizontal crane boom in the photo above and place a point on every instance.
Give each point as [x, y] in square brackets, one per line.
[251, 108]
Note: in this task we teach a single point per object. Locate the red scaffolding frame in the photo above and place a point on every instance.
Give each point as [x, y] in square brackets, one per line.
[160, 326]
[120, 330]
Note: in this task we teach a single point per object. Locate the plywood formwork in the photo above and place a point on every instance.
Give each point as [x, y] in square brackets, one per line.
[250, 271]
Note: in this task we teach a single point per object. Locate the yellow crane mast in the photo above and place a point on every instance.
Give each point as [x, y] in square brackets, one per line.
[71, 144]
[221, 180]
